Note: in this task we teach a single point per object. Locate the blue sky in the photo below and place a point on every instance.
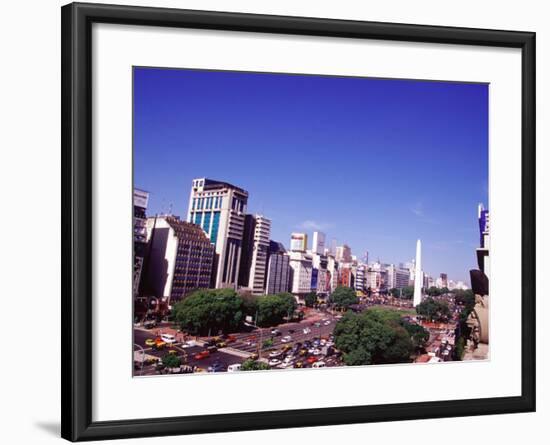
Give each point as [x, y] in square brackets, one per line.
[374, 163]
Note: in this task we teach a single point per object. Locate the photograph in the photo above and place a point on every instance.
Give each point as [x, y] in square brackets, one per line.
[284, 221]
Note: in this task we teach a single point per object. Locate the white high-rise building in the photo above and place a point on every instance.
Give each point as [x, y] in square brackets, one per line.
[258, 266]
[397, 277]
[418, 275]
[301, 266]
[318, 244]
[219, 208]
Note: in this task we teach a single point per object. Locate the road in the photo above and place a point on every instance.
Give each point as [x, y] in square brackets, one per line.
[317, 324]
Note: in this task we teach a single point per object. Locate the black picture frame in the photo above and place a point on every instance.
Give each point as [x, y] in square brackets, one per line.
[76, 248]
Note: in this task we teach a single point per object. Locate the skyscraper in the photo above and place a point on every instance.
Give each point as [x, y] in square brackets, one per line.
[262, 231]
[219, 208]
[278, 269]
[180, 258]
[318, 243]
[482, 251]
[343, 254]
[141, 199]
[418, 276]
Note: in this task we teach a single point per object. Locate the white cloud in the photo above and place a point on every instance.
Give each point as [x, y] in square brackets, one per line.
[312, 225]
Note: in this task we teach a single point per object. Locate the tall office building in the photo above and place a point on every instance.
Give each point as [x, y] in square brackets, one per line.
[318, 243]
[397, 277]
[301, 266]
[180, 258]
[298, 242]
[258, 266]
[482, 252]
[219, 209]
[278, 269]
[343, 254]
[141, 199]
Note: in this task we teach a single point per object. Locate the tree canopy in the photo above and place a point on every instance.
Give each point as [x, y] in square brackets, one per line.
[375, 336]
[209, 311]
[407, 292]
[171, 361]
[272, 309]
[253, 365]
[310, 299]
[434, 310]
[343, 297]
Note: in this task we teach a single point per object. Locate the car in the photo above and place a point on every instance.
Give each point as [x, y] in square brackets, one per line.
[326, 323]
[168, 338]
[286, 348]
[221, 344]
[212, 349]
[150, 342]
[317, 324]
[159, 344]
[274, 354]
[253, 356]
[302, 352]
[291, 331]
[316, 351]
[173, 352]
[149, 324]
[188, 344]
[217, 367]
[274, 362]
[231, 338]
[234, 367]
[312, 359]
[286, 339]
[276, 332]
[201, 355]
[298, 365]
[319, 365]
[306, 330]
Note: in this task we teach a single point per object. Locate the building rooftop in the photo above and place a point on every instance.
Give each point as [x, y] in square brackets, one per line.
[213, 183]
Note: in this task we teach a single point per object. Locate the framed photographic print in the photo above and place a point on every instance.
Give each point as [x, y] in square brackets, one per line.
[278, 222]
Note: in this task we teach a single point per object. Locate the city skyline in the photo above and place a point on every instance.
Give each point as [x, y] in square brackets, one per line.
[329, 153]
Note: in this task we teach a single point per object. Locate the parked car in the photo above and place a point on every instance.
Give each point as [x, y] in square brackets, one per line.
[168, 338]
[286, 339]
[276, 332]
[149, 324]
[221, 344]
[149, 342]
[212, 349]
[312, 359]
[274, 362]
[217, 367]
[233, 368]
[201, 355]
[274, 354]
[253, 356]
[306, 330]
[319, 365]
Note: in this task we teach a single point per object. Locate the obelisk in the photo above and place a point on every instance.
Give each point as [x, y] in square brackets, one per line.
[418, 278]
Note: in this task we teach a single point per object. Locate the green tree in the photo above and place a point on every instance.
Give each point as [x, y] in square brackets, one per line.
[434, 310]
[310, 299]
[459, 349]
[209, 311]
[407, 292]
[267, 343]
[373, 337]
[394, 292]
[419, 336]
[343, 297]
[273, 309]
[253, 365]
[171, 361]
[433, 291]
